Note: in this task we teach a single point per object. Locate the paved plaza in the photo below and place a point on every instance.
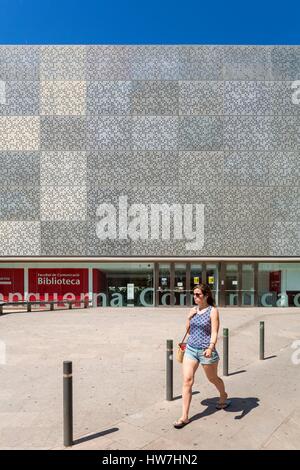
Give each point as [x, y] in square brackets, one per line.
[119, 377]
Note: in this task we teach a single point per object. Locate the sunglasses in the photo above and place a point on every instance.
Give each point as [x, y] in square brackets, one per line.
[197, 295]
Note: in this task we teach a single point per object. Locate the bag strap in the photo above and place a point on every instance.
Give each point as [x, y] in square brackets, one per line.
[186, 333]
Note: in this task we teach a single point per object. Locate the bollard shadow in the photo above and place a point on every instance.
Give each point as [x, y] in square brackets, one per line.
[95, 436]
[180, 396]
[238, 372]
[243, 405]
[269, 357]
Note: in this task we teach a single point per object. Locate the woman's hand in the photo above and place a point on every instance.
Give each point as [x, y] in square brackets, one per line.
[207, 352]
[192, 312]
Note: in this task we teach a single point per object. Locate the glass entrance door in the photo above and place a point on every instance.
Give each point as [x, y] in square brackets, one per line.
[123, 284]
[175, 282]
[164, 284]
[212, 279]
[231, 285]
[248, 290]
[196, 277]
[180, 292]
[238, 285]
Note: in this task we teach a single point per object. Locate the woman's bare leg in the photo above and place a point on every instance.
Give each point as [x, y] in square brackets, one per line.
[211, 372]
[189, 368]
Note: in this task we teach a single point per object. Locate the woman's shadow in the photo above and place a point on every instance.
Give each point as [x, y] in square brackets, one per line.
[243, 405]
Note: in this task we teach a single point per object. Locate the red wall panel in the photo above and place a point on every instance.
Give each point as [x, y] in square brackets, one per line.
[11, 282]
[56, 283]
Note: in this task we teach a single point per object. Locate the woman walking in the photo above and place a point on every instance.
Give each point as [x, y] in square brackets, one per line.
[203, 326]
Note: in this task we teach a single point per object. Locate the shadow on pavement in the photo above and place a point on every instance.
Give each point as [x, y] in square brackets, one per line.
[244, 405]
[270, 357]
[238, 372]
[180, 396]
[95, 436]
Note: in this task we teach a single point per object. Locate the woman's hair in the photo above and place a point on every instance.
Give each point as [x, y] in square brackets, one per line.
[206, 290]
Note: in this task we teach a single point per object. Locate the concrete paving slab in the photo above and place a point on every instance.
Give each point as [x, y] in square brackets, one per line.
[128, 433]
[288, 432]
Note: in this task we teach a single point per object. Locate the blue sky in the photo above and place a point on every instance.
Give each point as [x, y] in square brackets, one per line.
[149, 22]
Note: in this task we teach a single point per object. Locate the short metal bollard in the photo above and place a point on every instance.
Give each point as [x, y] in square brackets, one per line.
[29, 307]
[68, 403]
[225, 351]
[262, 340]
[169, 369]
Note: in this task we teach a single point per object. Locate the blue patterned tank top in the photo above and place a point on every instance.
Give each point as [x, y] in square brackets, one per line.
[200, 331]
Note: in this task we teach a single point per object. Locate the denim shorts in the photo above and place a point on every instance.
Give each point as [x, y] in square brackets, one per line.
[198, 355]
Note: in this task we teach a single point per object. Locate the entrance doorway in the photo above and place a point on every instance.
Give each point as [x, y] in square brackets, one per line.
[238, 284]
[175, 282]
[123, 284]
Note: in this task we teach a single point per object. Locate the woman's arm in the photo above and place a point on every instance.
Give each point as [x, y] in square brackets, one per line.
[191, 313]
[215, 324]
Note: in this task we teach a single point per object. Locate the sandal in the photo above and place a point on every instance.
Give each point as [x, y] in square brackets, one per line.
[222, 406]
[180, 424]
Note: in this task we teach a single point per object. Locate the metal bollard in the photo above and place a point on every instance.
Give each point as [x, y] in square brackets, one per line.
[28, 307]
[262, 340]
[68, 403]
[169, 369]
[225, 351]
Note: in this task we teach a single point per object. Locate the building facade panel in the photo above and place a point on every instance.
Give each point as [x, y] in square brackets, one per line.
[197, 126]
